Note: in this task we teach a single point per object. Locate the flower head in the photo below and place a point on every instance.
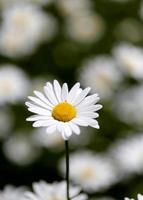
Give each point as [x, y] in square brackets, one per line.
[63, 110]
[55, 191]
[93, 172]
[139, 197]
[12, 193]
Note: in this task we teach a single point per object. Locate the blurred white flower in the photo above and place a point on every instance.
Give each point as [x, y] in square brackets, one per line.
[127, 154]
[13, 84]
[85, 27]
[63, 110]
[139, 197]
[55, 191]
[127, 26]
[101, 74]
[130, 59]
[20, 149]
[128, 105]
[49, 141]
[6, 123]
[90, 171]
[24, 26]
[73, 7]
[12, 193]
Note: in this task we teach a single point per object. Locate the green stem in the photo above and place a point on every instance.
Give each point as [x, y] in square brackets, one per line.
[67, 167]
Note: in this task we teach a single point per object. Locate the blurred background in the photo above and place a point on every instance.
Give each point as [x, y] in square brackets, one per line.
[98, 43]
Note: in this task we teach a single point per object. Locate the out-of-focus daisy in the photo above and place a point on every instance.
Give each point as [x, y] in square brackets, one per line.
[73, 7]
[93, 172]
[6, 123]
[23, 27]
[12, 193]
[20, 149]
[63, 110]
[86, 27]
[102, 74]
[44, 191]
[139, 197]
[48, 141]
[127, 154]
[130, 59]
[13, 84]
[129, 105]
[124, 29]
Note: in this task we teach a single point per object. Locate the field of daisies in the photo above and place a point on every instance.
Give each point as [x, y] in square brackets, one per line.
[71, 99]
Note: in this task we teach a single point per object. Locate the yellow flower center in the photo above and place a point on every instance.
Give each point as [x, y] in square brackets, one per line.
[64, 112]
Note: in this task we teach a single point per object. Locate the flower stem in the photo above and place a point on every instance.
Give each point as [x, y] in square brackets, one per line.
[67, 167]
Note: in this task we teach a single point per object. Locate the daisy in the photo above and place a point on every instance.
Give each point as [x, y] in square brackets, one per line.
[63, 110]
[12, 79]
[93, 172]
[129, 59]
[24, 26]
[20, 150]
[127, 103]
[102, 74]
[86, 27]
[139, 197]
[12, 193]
[128, 153]
[45, 191]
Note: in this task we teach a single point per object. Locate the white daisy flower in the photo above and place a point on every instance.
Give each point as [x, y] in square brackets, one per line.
[12, 193]
[128, 153]
[24, 26]
[102, 74]
[51, 141]
[63, 110]
[130, 59]
[85, 27]
[12, 79]
[93, 172]
[45, 191]
[139, 197]
[127, 104]
[73, 7]
[20, 150]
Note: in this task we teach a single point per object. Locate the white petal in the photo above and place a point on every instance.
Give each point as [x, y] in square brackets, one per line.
[87, 114]
[74, 128]
[40, 111]
[31, 105]
[91, 122]
[48, 89]
[39, 102]
[57, 89]
[72, 94]
[81, 96]
[37, 117]
[79, 122]
[92, 108]
[92, 99]
[43, 98]
[64, 92]
[67, 129]
[43, 123]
